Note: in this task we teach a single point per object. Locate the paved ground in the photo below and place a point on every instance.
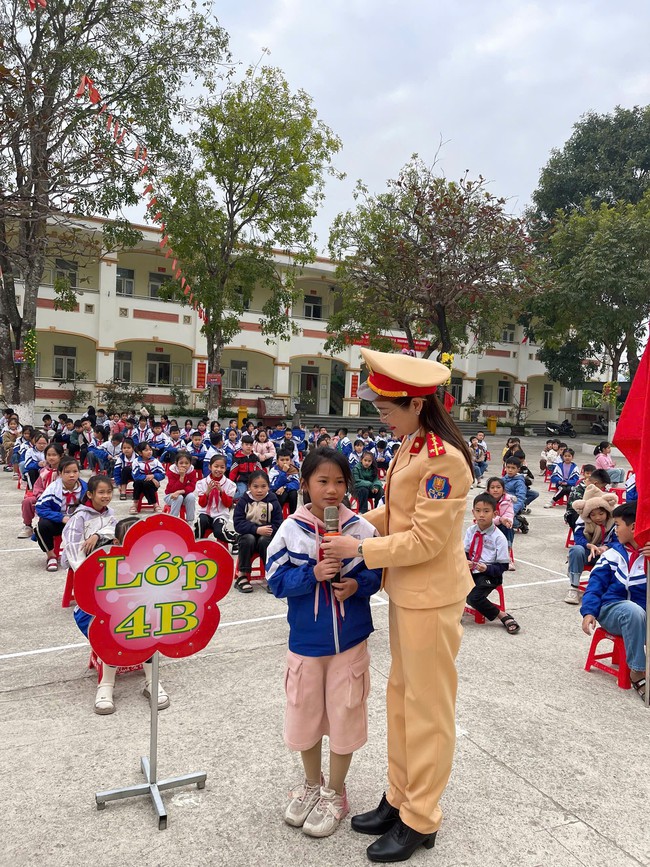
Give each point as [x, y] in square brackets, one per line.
[551, 766]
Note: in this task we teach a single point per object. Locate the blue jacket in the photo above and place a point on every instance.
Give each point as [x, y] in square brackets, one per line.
[516, 487]
[121, 461]
[562, 476]
[280, 479]
[580, 538]
[152, 467]
[291, 558]
[244, 526]
[53, 505]
[612, 580]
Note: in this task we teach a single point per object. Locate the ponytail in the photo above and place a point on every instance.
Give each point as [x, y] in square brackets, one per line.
[601, 445]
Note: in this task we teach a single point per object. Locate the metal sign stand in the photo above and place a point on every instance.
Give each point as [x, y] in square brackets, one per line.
[149, 766]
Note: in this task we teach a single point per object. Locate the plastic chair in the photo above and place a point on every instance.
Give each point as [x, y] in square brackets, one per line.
[142, 504]
[478, 617]
[618, 666]
[167, 509]
[569, 539]
[68, 591]
[258, 572]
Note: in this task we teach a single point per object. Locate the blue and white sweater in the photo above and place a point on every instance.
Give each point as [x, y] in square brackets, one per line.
[152, 467]
[121, 463]
[55, 501]
[613, 580]
[317, 625]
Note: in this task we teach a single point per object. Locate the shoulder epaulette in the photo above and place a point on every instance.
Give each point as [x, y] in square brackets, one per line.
[435, 445]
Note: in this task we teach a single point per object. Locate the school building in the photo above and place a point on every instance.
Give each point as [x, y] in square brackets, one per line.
[121, 329]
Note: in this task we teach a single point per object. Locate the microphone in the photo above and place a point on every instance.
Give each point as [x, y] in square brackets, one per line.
[331, 521]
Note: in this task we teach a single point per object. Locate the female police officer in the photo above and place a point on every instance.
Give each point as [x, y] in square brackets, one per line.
[427, 579]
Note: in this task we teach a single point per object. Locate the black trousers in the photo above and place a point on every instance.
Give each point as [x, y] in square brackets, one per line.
[215, 524]
[290, 497]
[478, 597]
[46, 530]
[250, 545]
[145, 489]
[562, 491]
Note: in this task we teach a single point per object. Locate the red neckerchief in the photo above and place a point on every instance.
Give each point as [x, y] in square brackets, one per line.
[147, 468]
[71, 498]
[476, 546]
[215, 494]
[633, 555]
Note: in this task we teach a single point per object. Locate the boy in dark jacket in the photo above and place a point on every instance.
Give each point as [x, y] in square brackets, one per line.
[258, 516]
[244, 463]
[284, 479]
[616, 594]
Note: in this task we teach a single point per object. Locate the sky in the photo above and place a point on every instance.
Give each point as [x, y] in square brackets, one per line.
[499, 82]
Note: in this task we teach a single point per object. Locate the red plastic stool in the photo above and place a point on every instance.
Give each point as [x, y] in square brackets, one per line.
[68, 592]
[141, 504]
[96, 663]
[569, 539]
[285, 511]
[478, 617]
[167, 511]
[257, 573]
[354, 505]
[616, 655]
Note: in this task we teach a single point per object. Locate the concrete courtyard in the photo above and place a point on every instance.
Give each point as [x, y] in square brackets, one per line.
[551, 763]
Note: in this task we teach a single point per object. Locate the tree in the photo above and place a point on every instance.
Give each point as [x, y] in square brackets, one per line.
[433, 257]
[57, 160]
[597, 302]
[262, 155]
[606, 160]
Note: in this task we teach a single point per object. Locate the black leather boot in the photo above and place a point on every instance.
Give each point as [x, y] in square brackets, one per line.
[399, 844]
[376, 821]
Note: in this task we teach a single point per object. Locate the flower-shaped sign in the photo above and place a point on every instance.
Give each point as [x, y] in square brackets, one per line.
[158, 591]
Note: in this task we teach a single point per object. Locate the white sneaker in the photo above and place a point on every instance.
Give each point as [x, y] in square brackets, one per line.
[549, 505]
[326, 816]
[302, 800]
[573, 596]
[25, 533]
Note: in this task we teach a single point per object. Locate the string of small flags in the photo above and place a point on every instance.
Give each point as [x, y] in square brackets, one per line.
[120, 134]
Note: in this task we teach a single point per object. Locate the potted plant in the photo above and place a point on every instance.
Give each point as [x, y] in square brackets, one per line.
[518, 415]
[472, 405]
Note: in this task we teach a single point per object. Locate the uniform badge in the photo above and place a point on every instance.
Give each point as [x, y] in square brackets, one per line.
[438, 487]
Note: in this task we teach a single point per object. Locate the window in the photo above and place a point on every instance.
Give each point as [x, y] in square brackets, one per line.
[505, 388]
[508, 333]
[246, 302]
[239, 375]
[125, 281]
[65, 362]
[480, 388]
[66, 270]
[155, 282]
[124, 312]
[548, 397]
[158, 369]
[122, 366]
[456, 388]
[187, 320]
[313, 307]
[89, 308]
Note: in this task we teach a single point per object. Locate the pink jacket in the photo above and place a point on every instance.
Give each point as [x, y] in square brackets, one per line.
[505, 510]
[264, 451]
[605, 462]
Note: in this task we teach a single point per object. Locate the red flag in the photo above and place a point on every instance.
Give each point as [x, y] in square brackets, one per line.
[449, 400]
[632, 437]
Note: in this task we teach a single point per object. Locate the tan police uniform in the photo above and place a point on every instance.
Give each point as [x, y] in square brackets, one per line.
[427, 579]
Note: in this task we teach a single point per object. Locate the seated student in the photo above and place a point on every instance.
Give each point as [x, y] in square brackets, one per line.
[548, 457]
[616, 594]
[85, 440]
[513, 449]
[631, 494]
[299, 436]
[181, 482]
[604, 461]
[159, 440]
[103, 420]
[113, 450]
[10, 436]
[383, 455]
[324, 441]
[173, 446]
[288, 446]
[124, 463]
[504, 517]
[231, 445]
[104, 703]
[593, 535]
[53, 457]
[355, 455]
[202, 428]
[92, 524]
[566, 476]
[343, 443]
[515, 486]
[97, 453]
[143, 432]
[264, 449]
[244, 463]
[34, 460]
[258, 516]
[366, 484]
[48, 427]
[197, 451]
[215, 495]
[148, 473]
[284, 481]
[56, 505]
[188, 430]
[20, 449]
[529, 478]
[487, 552]
[478, 460]
[216, 447]
[590, 476]
[278, 434]
[288, 439]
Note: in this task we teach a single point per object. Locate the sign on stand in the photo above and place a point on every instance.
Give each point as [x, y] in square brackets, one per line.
[157, 593]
